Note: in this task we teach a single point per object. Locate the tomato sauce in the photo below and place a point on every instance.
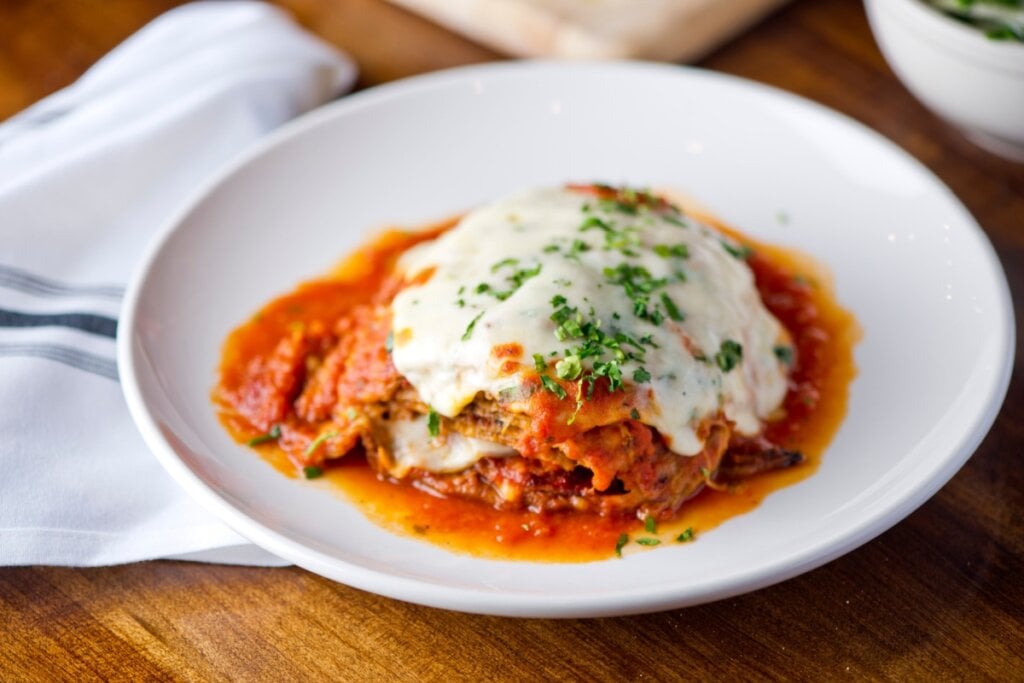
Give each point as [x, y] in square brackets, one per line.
[794, 288]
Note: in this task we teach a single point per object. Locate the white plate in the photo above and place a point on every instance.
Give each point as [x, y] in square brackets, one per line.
[908, 260]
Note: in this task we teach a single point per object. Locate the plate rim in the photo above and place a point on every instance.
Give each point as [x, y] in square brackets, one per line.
[492, 602]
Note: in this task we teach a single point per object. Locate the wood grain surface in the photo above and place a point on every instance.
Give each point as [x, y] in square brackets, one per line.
[938, 597]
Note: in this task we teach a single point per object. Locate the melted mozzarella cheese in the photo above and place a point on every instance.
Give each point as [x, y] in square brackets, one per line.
[412, 447]
[493, 279]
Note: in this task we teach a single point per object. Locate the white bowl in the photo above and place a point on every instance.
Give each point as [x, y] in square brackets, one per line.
[972, 81]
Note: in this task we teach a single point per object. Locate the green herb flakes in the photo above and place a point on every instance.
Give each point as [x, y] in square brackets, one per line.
[569, 368]
[312, 472]
[650, 526]
[686, 536]
[469, 328]
[672, 251]
[620, 544]
[670, 307]
[638, 284]
[273, 435]
[640, 375]
[648, 541]
[315, 443]
[504, 262]
[433, 422]
[784, 354]
[553, 386]
[740, 251]
[729, 355]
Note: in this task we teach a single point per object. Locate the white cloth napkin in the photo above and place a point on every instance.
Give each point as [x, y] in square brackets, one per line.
[86, 176]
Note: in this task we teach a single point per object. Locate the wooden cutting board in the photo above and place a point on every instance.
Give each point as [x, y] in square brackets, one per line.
[667, 30]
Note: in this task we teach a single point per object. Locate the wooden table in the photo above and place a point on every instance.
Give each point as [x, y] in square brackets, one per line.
[940, 596]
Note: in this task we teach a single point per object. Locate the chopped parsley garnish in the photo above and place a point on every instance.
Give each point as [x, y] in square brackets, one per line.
[620, 239]
[634, 414]
[742, 251]
[579, 401]
[553, 386]
[638, 284]
[469, 328]
[569, 368]
[784, 354]
[312, 472]
[640, 375]
[612, 371]
[674, 250]
[577, 248]
[648, 541]
[433, 422]
[568, 320]
[729, 355]
[539, 363]
[508, 393]
[505, 262]
[996, 19]
[685, 536]
[607, 351]
[674, 219]
[273, 435]
[625, 207]
[517, 278]
[315, 443]
[558, 300]
[593, 222]
[671, 308]
[620, 544]
[650, 526]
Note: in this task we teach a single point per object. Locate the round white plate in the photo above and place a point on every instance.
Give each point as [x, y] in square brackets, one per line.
[908, 260]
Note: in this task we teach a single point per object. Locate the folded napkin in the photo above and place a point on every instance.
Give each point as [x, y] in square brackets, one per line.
[86, 176]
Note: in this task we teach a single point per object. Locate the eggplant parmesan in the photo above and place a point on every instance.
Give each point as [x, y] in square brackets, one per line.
[584, 349]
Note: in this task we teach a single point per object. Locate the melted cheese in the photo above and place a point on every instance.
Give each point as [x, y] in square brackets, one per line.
[412, 447]
[446, 328]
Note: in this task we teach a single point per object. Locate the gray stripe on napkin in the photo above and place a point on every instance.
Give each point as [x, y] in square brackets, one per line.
[74, 358]
[86, 322]
[23, 281]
